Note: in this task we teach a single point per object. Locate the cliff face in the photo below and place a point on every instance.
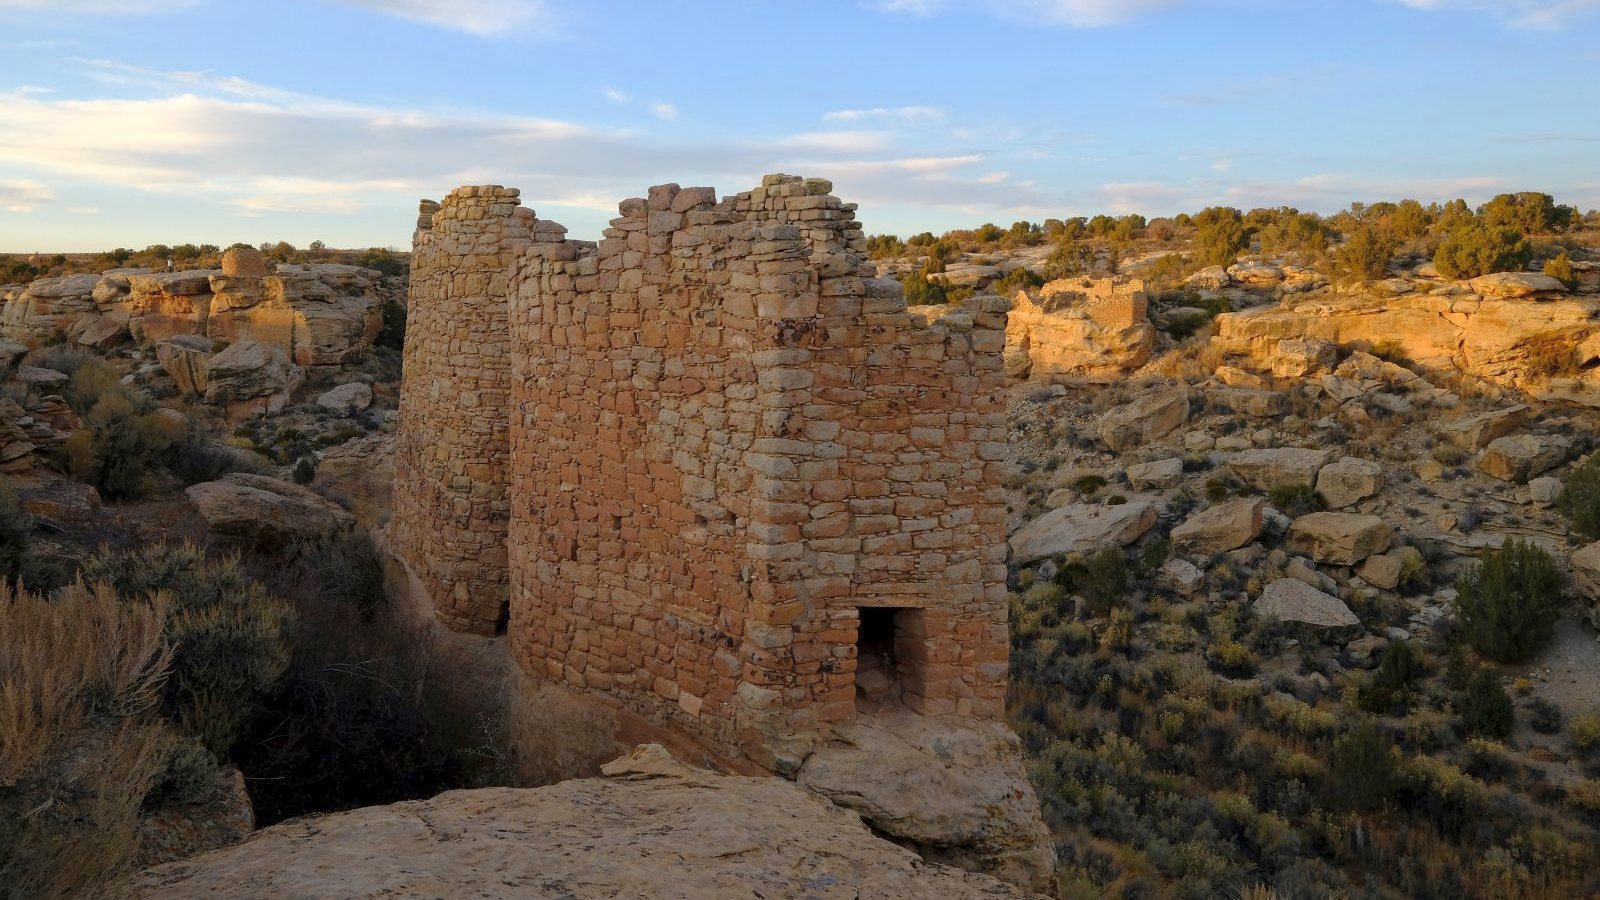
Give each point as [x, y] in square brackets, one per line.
[653, 828]
[1094, 328]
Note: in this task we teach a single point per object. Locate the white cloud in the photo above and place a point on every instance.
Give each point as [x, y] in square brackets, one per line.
[666, 112]
[614, 95]
[23, 196]
[1542, 14]
[912, 114]
[993, 177]
[485, 18]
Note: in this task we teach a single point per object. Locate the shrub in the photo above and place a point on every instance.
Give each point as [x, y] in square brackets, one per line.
[1486, 707]
[1509, 602]
[1017, 279]
[1476, 248]
[922, 290]
[1104, 580]
[1296, 500]
[1362, 769]
[79, 747]
[1391, 683]
[1559, 267]
[1543, 716]
[1220, 236]
[1088, 484]
[1365, 255]
[16, 532]
[393, 333]
[305, 470]
[228, 634]
[1585, 731]
[1580, 498]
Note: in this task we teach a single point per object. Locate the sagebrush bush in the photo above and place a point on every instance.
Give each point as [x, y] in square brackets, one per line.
[122, 436]
[1580, 498]
[1296, 500]
[1362, 769]
[229, 635]
[1474, 248]
[1486, 708]
[1390, 686]
[1508, 604]
[1560, 268]
[80, 745]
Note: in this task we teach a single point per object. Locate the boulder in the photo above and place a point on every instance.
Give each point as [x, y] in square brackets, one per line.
[1082, 528]
[347, 399]
[1349, 480]
[1092, 328]
[323, 314]
[1517, 285]
[251, 378]
[1211, 278]
[10, 353]
[1278, 467]
[1520, 457]
[1181, 576]
[1294, 601]
[655, 833]
[1159, 475]
[1239, 378]
[103, 332]
[1304, 357]
[186, 358]
[1247, 402]
[247, 262]
[34, 376]
[1342, 539]
[359, 476]
[1148, 418]
[1218, 529]
[258, 511]
[1477, 432]
[1544, 491]
[1385, 569]
[954, 789]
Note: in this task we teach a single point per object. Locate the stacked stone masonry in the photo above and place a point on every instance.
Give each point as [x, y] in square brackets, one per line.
[704, 460]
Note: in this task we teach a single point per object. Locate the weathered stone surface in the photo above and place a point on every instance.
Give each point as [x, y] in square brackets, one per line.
[1145, 419]
[1586, 579]
[1159, 475]
[955, 791]
[1182, 576]
[36, 376]
[347, 399]
[1260, 404]
[644, 835]
[1544, 491]
[251, 377]
[1293, 601]
[1385, 569]
[186, 358]
[1094, 328]
[1342, 539]
[1522, 456]
[1082, 528]
[1517, 285]
[359, 475]
[323, 314]
[247, 262]
[261, 511]
[10, 353]
[1218, 529]
[49, 305]
[164, 304]
[1477, 432]
[1348, 481]
[1303, 358]
[1278, 467]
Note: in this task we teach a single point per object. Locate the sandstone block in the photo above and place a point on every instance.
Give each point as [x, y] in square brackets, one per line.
[1278, 467]
[1293, 601]
[1260, 404]
[1158, 475]
[1349, 480]
[1520, 457]
[1145, 419]
[1082, 528]
[1304, 357]
[1342, 539]
[1218, 529]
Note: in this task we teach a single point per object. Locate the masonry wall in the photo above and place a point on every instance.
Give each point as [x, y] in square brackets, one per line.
[450, 505]
[726, 439]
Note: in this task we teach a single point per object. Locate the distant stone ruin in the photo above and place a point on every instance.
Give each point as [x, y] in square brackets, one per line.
[1097, 329]
[711, 466]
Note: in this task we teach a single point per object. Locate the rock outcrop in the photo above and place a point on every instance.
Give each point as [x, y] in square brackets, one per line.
[654, 829]
[261, 511]
[251, 377]
[1146, 418]
[1342, 539]
[1226, 526]
[1082, 528]
[1295, 602]
[1092, 328]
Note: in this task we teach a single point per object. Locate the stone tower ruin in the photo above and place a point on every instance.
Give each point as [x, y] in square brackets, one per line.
[711, 467]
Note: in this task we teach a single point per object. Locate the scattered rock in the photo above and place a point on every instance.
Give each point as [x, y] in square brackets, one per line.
[38, 377]
[1278, 467]
[261, 511]
[1520, 457]
[1303, 358]
[1260, 404]
[251, 377]
[1544, 491]
[1517, 285]
[1226, 526]
[1342, 539]
[1082, 528]
[1477, 432]
[1149, 418]
[186, 358]
[1348, 481]
[1294, 601]
[1182, 576]
[1159, 475]
[347, 399]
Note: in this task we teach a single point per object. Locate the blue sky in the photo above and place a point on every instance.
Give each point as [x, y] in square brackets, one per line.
[131, 122]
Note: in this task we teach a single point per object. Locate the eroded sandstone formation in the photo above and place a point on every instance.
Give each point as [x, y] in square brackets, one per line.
[710, 468]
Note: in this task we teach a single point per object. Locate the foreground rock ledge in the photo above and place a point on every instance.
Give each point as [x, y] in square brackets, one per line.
[654, 829]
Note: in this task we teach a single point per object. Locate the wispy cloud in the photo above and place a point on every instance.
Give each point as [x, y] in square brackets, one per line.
[909, 114]
[614, 95]
[1540, 14]
[666, 112]
[23, 196]
[103, 7]
[485, 18]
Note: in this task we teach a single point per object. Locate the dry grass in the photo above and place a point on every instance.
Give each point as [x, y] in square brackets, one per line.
[555, 735]
[80, 745]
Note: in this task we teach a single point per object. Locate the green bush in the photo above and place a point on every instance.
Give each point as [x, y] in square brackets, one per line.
[191, 776]
[305, 470]
[1580, 498]
[1509, 603]
[16, 532]
[393, 333]
[1476, 248]
[229, 635]
[1016, 280]
[921, 290]
[1296, 500]
[1486, 707]
[1362, 769]
[120, 441]
[1365, 255]
[1390, 687]
[1220, 236]
[1560, 268]
[1544, 717]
